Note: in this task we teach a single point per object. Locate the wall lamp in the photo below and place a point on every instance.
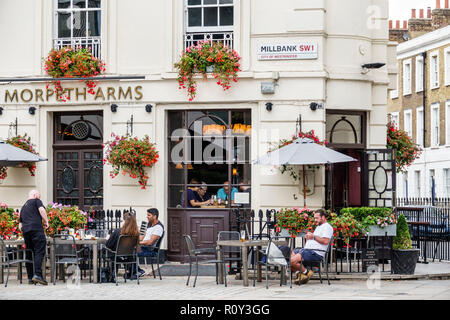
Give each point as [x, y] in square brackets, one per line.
[148, 108]
[1, 111]
[269, 106]
[114, 108]
[32, 110]
[314, 106]
[368, 66]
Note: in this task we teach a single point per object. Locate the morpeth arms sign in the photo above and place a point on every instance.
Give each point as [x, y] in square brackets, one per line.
[291, 51]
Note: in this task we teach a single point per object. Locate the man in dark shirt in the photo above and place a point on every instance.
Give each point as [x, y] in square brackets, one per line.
[31, 216]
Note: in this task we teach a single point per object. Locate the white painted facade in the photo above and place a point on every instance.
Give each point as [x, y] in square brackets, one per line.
[146, 38]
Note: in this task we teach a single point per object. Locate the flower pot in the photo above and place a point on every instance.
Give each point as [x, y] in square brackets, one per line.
[390, 231]
[210, 69]
[404, 261]
[285, 233]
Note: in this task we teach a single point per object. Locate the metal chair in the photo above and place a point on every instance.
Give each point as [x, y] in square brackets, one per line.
[67, 253]
[143, 228]
[231, 254]
[275, 259]
[12, 257]
[318, 264]
[125, 253]
[193, 255]
[155, 248]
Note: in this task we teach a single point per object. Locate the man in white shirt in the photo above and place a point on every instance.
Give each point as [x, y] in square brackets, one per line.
[315, 248]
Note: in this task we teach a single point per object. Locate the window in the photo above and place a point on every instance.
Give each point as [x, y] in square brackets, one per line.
[434, 70]
[419, 126]
[78, 23]
[407, 122]
[209, 20]
[447, 66]
[419, 74]
[407, 77]
[417, 183]
[447, 182]
[447, 122]
[435, 125]
[405, 185]
[395, 119]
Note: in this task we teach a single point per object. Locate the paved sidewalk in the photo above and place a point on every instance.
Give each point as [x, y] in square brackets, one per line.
[174, 288]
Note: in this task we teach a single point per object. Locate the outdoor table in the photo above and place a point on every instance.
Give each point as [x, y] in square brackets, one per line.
[18, 243]
[88, 242]
[244, 245]
[426, 224]
[94, 243]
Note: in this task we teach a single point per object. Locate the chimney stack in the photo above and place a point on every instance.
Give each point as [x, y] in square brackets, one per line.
[438, 4]
[421, 14]
[405, 24]
[397, 24]
[390, 24]
[446, 4]
[413, 13]
[429, 13]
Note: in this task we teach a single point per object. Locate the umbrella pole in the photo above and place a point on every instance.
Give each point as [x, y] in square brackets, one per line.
[304, 188]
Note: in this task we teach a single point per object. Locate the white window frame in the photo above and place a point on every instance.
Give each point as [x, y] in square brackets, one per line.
[72, 10]
[435, 134]
[208, 28]
[407, 71]
[446, 182]
[395, 117]
[419, 126]
[434, 70]
[394, 93]
[447, 66]
[407, 127]
[419, 74]
[417, 183]
[447, 122]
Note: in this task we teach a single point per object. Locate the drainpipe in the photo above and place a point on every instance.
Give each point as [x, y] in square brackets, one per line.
[424, 55]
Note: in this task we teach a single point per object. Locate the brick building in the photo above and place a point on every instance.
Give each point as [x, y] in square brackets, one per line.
[428, 48]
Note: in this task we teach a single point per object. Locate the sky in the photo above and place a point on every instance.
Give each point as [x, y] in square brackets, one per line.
[401, 9]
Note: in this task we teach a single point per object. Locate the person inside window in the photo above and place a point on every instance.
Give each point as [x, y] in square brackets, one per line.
[202, 195]
[223, 192]
[193, 198]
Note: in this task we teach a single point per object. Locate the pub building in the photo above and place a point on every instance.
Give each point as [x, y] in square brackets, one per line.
[325, 67]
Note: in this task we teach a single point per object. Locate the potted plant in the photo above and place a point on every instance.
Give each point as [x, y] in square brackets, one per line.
[346, 226]
[131, 155]
[207, 57]
[294, 221]
[404, 258]
[24, 143]
[64, 217]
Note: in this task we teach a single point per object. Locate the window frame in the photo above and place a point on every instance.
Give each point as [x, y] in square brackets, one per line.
[419, 126]
[201, 29]
[407, 83]
[394, 93]
[447, 66]
[433, 137]
[417, 182]
[446, 182]
[447, 122]
[405, 127]
[434, 82]
[419, 74]
[396, 115]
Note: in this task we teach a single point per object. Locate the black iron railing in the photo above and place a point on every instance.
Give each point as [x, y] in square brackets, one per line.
[106, 220]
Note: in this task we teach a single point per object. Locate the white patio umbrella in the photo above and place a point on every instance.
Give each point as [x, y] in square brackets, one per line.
[11, 156]
[303, 152]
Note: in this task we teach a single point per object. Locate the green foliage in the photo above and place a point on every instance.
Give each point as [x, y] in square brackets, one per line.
[296, 220]
[406, 151]
[9, 222]
[363, 212]
[402, 240]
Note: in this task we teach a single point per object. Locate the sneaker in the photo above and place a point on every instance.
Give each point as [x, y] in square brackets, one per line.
[297, 277]
[304, 278]
[39, 279]
[142, 273]
[307, 277]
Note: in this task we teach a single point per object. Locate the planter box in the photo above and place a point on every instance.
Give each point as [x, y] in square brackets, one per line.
[285, 233]
[404, 261]
[375, 231]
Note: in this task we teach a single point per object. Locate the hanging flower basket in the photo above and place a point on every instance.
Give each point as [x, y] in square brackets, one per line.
[24, 143]
[72, 63]
[406, 151]
[9, 222]
[207, 57]
[130, 155]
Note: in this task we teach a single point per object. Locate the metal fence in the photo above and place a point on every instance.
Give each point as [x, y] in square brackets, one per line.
[105, 221]
[436, 202]
[429, 229]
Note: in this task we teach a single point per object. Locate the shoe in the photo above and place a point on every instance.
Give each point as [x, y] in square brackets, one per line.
[307, 277]
[30, 281]
[304, 278]
[297, 277]
[142, 273]
[39, 279]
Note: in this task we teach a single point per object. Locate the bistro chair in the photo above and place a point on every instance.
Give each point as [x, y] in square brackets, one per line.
[65, 253]
[231, 254]
[143, 228]
[274, 257]
[155, 248]
[125, 254]
[194, 255]
[12, 257]
[318, 264]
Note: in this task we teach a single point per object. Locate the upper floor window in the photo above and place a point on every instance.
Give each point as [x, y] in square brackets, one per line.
[407, 125]
[419, 127]
[447, 66]
[209, 20]
[407, 77]
[435, 125]
[434, 70]
[419, 74]
[394, 93]
[78, 24]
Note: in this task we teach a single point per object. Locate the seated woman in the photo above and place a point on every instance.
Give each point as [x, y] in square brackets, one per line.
[202, 195]
[193, 199]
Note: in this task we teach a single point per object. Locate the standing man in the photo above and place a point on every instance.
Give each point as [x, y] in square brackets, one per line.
[315, 247]
[31, 216]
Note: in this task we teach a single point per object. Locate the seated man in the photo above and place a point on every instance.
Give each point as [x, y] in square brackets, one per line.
[193, 198]
[222, 193]
[202, 195]
[155, 231]
[317, 240]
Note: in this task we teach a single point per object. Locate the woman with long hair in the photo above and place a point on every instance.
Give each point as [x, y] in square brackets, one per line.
[129, 228]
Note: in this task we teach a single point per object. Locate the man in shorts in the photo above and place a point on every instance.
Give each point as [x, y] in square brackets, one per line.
[318, 240]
